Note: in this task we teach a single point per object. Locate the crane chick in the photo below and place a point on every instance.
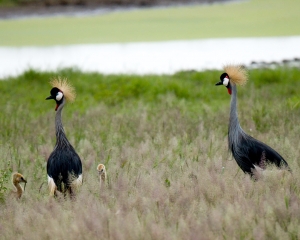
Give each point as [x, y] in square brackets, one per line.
[64, 167]
[248, 152]
[17, 178]
[102, 173]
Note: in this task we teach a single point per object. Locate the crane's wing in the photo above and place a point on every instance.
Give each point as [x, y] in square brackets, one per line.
[62, 164]
[250, 152]
[262, 152]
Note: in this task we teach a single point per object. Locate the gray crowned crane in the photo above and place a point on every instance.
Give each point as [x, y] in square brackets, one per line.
[64, 167]
[248, 152]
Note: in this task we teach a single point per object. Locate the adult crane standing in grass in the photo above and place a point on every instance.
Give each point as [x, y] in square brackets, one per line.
[248, 152]
[64, 167]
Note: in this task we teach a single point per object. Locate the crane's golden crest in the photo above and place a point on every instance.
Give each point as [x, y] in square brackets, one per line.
[237, 74]
[65, 86]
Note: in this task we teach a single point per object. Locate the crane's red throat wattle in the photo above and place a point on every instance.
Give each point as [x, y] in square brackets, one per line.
[229, 90]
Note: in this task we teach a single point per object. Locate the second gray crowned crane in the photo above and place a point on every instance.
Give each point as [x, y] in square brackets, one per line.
[64, 167]
[248, 152]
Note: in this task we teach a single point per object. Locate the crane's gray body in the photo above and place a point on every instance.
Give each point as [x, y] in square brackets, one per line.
[64, 165]
[246, 150]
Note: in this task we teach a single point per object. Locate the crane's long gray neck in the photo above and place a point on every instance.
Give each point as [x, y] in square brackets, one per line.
[234, 130]
[61, 139]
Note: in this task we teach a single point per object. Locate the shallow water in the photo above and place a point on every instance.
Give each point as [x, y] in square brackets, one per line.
[149, 57]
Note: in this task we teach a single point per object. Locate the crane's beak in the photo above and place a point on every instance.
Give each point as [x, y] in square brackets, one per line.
[219, 83]
[24, 184]
[50, 97]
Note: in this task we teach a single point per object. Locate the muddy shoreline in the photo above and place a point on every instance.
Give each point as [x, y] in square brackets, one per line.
[48, 8]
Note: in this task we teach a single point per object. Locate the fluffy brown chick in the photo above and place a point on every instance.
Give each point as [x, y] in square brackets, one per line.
[17, 178]
[102, 173]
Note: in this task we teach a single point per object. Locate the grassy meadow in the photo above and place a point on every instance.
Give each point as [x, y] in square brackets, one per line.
[255, 18]
[163, 140]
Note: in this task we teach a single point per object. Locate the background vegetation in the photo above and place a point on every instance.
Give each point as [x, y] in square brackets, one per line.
[163, 140]
[256, 18]
[99, 2]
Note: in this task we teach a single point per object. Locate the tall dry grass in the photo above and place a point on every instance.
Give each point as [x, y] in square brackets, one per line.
[170, 175]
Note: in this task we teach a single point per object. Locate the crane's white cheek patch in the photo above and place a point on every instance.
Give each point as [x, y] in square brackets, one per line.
[59, 96]
[225, 82]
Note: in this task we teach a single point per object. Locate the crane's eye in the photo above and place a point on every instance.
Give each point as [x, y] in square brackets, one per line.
[225, 81]
[59, 96]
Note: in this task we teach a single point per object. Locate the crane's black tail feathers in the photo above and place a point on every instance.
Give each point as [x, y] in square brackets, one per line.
[251, 152]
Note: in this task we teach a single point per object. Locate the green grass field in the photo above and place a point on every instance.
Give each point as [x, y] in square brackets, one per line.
[163, 140]
[256, 18]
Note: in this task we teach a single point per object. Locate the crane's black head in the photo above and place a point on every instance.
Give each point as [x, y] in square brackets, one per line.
[57, 95]
[225, 80]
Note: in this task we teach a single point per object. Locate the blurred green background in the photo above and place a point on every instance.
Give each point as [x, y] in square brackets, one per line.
[256, 18]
